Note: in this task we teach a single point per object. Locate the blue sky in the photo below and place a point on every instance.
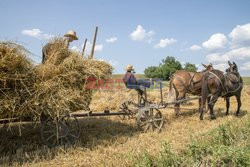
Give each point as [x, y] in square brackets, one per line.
[137, 32]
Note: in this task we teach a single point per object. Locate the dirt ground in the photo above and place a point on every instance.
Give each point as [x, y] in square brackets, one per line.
[109, 141]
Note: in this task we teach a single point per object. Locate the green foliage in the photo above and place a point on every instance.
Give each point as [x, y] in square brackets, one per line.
[227, 145]
[151, 72]
[190, 67]
[168, 157]
[145, 161]
[166, 68]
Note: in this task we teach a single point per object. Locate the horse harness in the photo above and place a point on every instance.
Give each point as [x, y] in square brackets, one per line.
[190, 82]
[224, 87]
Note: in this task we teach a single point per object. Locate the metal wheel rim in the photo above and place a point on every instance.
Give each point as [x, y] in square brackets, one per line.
[150, 121]
[128, 107]
[60, 131]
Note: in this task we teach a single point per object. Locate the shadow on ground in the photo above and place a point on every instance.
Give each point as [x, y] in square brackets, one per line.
[29, 146]
[220, 112]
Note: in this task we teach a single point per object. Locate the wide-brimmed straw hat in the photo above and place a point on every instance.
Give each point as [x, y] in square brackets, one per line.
[72, 34]
[129, 68]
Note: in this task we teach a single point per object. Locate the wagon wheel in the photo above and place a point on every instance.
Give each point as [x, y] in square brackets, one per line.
[60, 131]
[150, 120]
[73, 130]
[128, 107]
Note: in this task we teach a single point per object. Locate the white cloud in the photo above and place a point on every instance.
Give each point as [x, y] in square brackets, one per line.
[217, 57]
[114, 63]
[165, 42]
[140, 34]
[246, 66]
[215, 42]
[75, 48]
[234, 54]
[239, 53]
[195, 47]
[37, 33]
[221, 66]
[221, 49]
[183, 63]
[98, 47]
[240, 35]
[111, 40]
[199, 67]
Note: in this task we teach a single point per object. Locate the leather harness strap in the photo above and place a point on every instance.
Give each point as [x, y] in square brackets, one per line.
[231, 80]
[223, 87]
[190, 82]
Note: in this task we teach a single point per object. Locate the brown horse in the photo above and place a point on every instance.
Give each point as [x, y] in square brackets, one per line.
[183, 82]
[217, 84]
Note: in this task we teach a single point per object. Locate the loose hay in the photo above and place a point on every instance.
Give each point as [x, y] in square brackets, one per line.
[16, 79]
[111, 100]
[56, 87]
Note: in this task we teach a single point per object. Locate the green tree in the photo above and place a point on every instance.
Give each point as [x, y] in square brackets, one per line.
[168, 66]
[150, 72]
[190, 67]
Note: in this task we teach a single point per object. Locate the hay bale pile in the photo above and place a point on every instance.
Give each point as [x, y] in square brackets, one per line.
[112, 100]
[16, 79]
[56, 87]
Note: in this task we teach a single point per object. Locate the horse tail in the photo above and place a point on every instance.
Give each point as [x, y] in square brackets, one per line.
[204, 90]
[172, 91]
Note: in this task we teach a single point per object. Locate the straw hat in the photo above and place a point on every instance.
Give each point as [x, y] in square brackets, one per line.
[71, 33]
[129, 67]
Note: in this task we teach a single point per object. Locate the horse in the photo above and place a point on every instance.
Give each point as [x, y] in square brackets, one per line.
[183, 82]
[217, 84]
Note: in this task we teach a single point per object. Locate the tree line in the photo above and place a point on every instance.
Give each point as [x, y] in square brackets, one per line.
[167, 67]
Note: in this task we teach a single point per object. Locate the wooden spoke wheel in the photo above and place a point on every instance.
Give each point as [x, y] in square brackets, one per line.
[129, 108]
[150, 119]
[60, 131]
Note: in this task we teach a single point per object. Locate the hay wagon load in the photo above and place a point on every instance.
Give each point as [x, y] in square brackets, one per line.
[55, 93]
[46, 92]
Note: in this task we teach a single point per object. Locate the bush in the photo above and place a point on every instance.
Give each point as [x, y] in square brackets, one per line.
[190, 67]
[166, 68]
[151, 72]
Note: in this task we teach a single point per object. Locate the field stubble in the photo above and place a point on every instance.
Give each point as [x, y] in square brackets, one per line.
[108, 141]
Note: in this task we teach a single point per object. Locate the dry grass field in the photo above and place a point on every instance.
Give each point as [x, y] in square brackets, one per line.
[109, 141]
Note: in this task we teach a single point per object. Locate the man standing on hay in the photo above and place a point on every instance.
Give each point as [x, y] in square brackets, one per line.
[70, 36]
[131, 82]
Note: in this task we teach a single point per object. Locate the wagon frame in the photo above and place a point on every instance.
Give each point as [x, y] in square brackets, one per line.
[66, 129]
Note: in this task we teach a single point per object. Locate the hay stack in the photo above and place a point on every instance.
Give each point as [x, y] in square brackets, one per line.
[16, 79]
[112, 100]
[56, 51]
[56, 87]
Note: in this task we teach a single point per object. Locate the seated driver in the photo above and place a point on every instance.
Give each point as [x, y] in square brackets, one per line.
[130, 80]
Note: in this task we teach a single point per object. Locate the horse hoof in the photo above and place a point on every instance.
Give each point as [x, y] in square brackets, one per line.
[237, 114]
[227, 114]
[177, 115]
[213, 117]
[201, 118]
